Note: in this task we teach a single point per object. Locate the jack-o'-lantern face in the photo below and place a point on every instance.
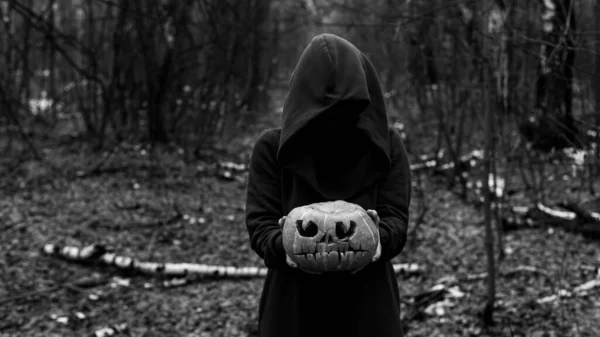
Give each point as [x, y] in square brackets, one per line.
[330, 236]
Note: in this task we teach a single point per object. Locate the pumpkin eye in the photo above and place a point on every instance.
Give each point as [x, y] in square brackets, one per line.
[309, 229]
[344, 231]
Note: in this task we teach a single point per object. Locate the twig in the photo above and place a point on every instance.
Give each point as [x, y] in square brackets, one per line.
[76, 286]
[28, 294]
[508, 273]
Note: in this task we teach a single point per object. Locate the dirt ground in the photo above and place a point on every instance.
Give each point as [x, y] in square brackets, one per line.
[126, 206]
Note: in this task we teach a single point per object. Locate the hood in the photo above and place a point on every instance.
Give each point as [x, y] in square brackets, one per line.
[333, 72]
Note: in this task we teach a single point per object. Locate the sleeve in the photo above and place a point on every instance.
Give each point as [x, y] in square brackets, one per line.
[263, 202]
[393, 201]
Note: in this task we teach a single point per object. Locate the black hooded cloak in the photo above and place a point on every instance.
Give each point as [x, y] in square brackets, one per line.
[362, 161]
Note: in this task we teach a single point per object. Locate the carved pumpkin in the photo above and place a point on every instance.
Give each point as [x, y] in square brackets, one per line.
[330, 236]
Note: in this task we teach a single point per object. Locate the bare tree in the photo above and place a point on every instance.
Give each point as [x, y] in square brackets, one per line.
[554, 86]
[597, 85]
[488, 311]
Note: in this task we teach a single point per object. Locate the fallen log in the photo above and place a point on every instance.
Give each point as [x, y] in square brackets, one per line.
[423, 303]
[447, 290]
[97, 253]
[112, 330]
[579, 221]
[580, 212]
[580, 290]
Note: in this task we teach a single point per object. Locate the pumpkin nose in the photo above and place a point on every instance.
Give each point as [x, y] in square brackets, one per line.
[327, 238]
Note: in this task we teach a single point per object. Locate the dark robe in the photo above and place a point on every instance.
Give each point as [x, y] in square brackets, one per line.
[307, 161]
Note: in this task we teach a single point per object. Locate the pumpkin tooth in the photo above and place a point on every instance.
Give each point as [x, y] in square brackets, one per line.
[321, 247]
[341, 260]
[301, 259]
[349, 260]
[343, 247]
[332, 260]
[332, 247]
[309, 246]
[321, 261]
[310, 261]
[361, 258]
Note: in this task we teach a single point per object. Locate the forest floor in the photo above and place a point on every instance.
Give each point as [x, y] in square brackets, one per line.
[128, 202]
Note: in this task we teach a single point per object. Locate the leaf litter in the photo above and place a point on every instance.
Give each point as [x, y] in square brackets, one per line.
[129, 209]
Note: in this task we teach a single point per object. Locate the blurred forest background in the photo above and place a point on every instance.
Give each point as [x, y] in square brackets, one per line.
[116, 113]
[198, 72]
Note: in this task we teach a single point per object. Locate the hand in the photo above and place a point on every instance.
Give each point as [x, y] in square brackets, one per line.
[288, 260]
[375, 218]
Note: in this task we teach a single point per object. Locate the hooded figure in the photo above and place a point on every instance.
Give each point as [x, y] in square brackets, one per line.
[334, 144]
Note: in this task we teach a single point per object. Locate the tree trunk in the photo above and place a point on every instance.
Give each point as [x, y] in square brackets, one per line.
[499, 22]
[118, 74]
[488, 311]
[256, 83]
[554, 87]
[501, 52]
[25, 88]
[488, 314]
[597, 83]
[156, 75]
[157, 132]
[52, 83]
